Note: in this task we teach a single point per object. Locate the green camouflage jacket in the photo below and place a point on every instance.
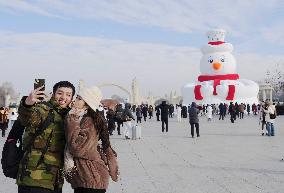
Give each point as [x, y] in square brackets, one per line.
[35, 169]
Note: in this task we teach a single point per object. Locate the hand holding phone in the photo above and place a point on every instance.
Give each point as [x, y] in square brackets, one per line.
[39, 83]
[37, 95]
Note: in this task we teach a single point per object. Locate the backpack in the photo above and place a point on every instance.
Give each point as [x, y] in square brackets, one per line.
[119, 116]
[13, 151]
[272, 116]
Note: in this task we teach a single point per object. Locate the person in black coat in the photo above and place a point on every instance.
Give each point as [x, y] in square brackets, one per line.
[150, 111]
[193, 112]
[237, 112]
[157, 109]
[133, 108]
[232, 111]
[118, 116]
[171, 111]
[110, 120]
[139, 114]
[184, 112]
[164, 115]
[222, 111]
[144, 112]
[248, 108]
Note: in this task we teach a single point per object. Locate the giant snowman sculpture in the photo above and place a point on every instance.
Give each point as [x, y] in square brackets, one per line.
[219, 82]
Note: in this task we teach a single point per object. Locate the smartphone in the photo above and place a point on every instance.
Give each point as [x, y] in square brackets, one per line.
[38, 83]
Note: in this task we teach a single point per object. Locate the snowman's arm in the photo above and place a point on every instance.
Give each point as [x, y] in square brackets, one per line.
[228, 82]
[246, 82]
[206, 83]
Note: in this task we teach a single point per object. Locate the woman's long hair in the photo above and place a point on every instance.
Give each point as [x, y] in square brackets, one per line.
[100, 125]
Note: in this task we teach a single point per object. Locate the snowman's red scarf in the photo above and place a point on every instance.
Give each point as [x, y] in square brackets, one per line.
[217, 79]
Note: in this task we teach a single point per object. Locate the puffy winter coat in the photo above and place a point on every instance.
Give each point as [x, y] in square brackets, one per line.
[193, 113]
[138, 112]
[42, 165]
[93, 166]
[164, 110]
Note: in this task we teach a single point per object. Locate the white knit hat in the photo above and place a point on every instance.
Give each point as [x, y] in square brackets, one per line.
[92, 96]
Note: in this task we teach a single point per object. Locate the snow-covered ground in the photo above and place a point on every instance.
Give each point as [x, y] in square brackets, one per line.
[226, 158]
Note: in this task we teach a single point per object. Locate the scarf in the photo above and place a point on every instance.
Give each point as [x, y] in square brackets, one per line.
[78, 112]
[216, 81]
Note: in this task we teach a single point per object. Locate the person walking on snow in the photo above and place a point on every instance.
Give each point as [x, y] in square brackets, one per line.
[262, 117]
[209, 113]
[12, 118]
[270, 116]
[128, 125]
[150, 111]
[138, 114]
[157, 109]
[144, 112]
[164, 115]
[193, 119]
[179, 113]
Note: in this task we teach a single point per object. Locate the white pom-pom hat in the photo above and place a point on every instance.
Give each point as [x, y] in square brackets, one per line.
[216, 42]
[91, 95]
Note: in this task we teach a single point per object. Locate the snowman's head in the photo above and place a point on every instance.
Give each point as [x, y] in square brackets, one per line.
[217, 63]
[217, 58]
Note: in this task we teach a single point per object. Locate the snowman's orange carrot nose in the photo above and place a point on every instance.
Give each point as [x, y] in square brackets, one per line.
[217, 65]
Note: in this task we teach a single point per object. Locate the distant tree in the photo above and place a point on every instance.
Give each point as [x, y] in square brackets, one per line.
[6, 89]
[275, 77]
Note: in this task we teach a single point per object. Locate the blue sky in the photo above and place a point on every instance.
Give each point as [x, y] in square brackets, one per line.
[99, 40]
[30, 23]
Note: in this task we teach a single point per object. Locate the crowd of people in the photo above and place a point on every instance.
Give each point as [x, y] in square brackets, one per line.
[165, 111]
[71, 139]
[7, 119]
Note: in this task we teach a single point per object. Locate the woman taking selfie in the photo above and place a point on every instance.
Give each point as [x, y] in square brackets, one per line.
[88, 163]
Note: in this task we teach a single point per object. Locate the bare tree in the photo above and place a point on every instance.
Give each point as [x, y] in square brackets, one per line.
[275, 77]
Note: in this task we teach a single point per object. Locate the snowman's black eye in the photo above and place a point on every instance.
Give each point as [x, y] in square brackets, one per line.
[222, 60]
[211, 61]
